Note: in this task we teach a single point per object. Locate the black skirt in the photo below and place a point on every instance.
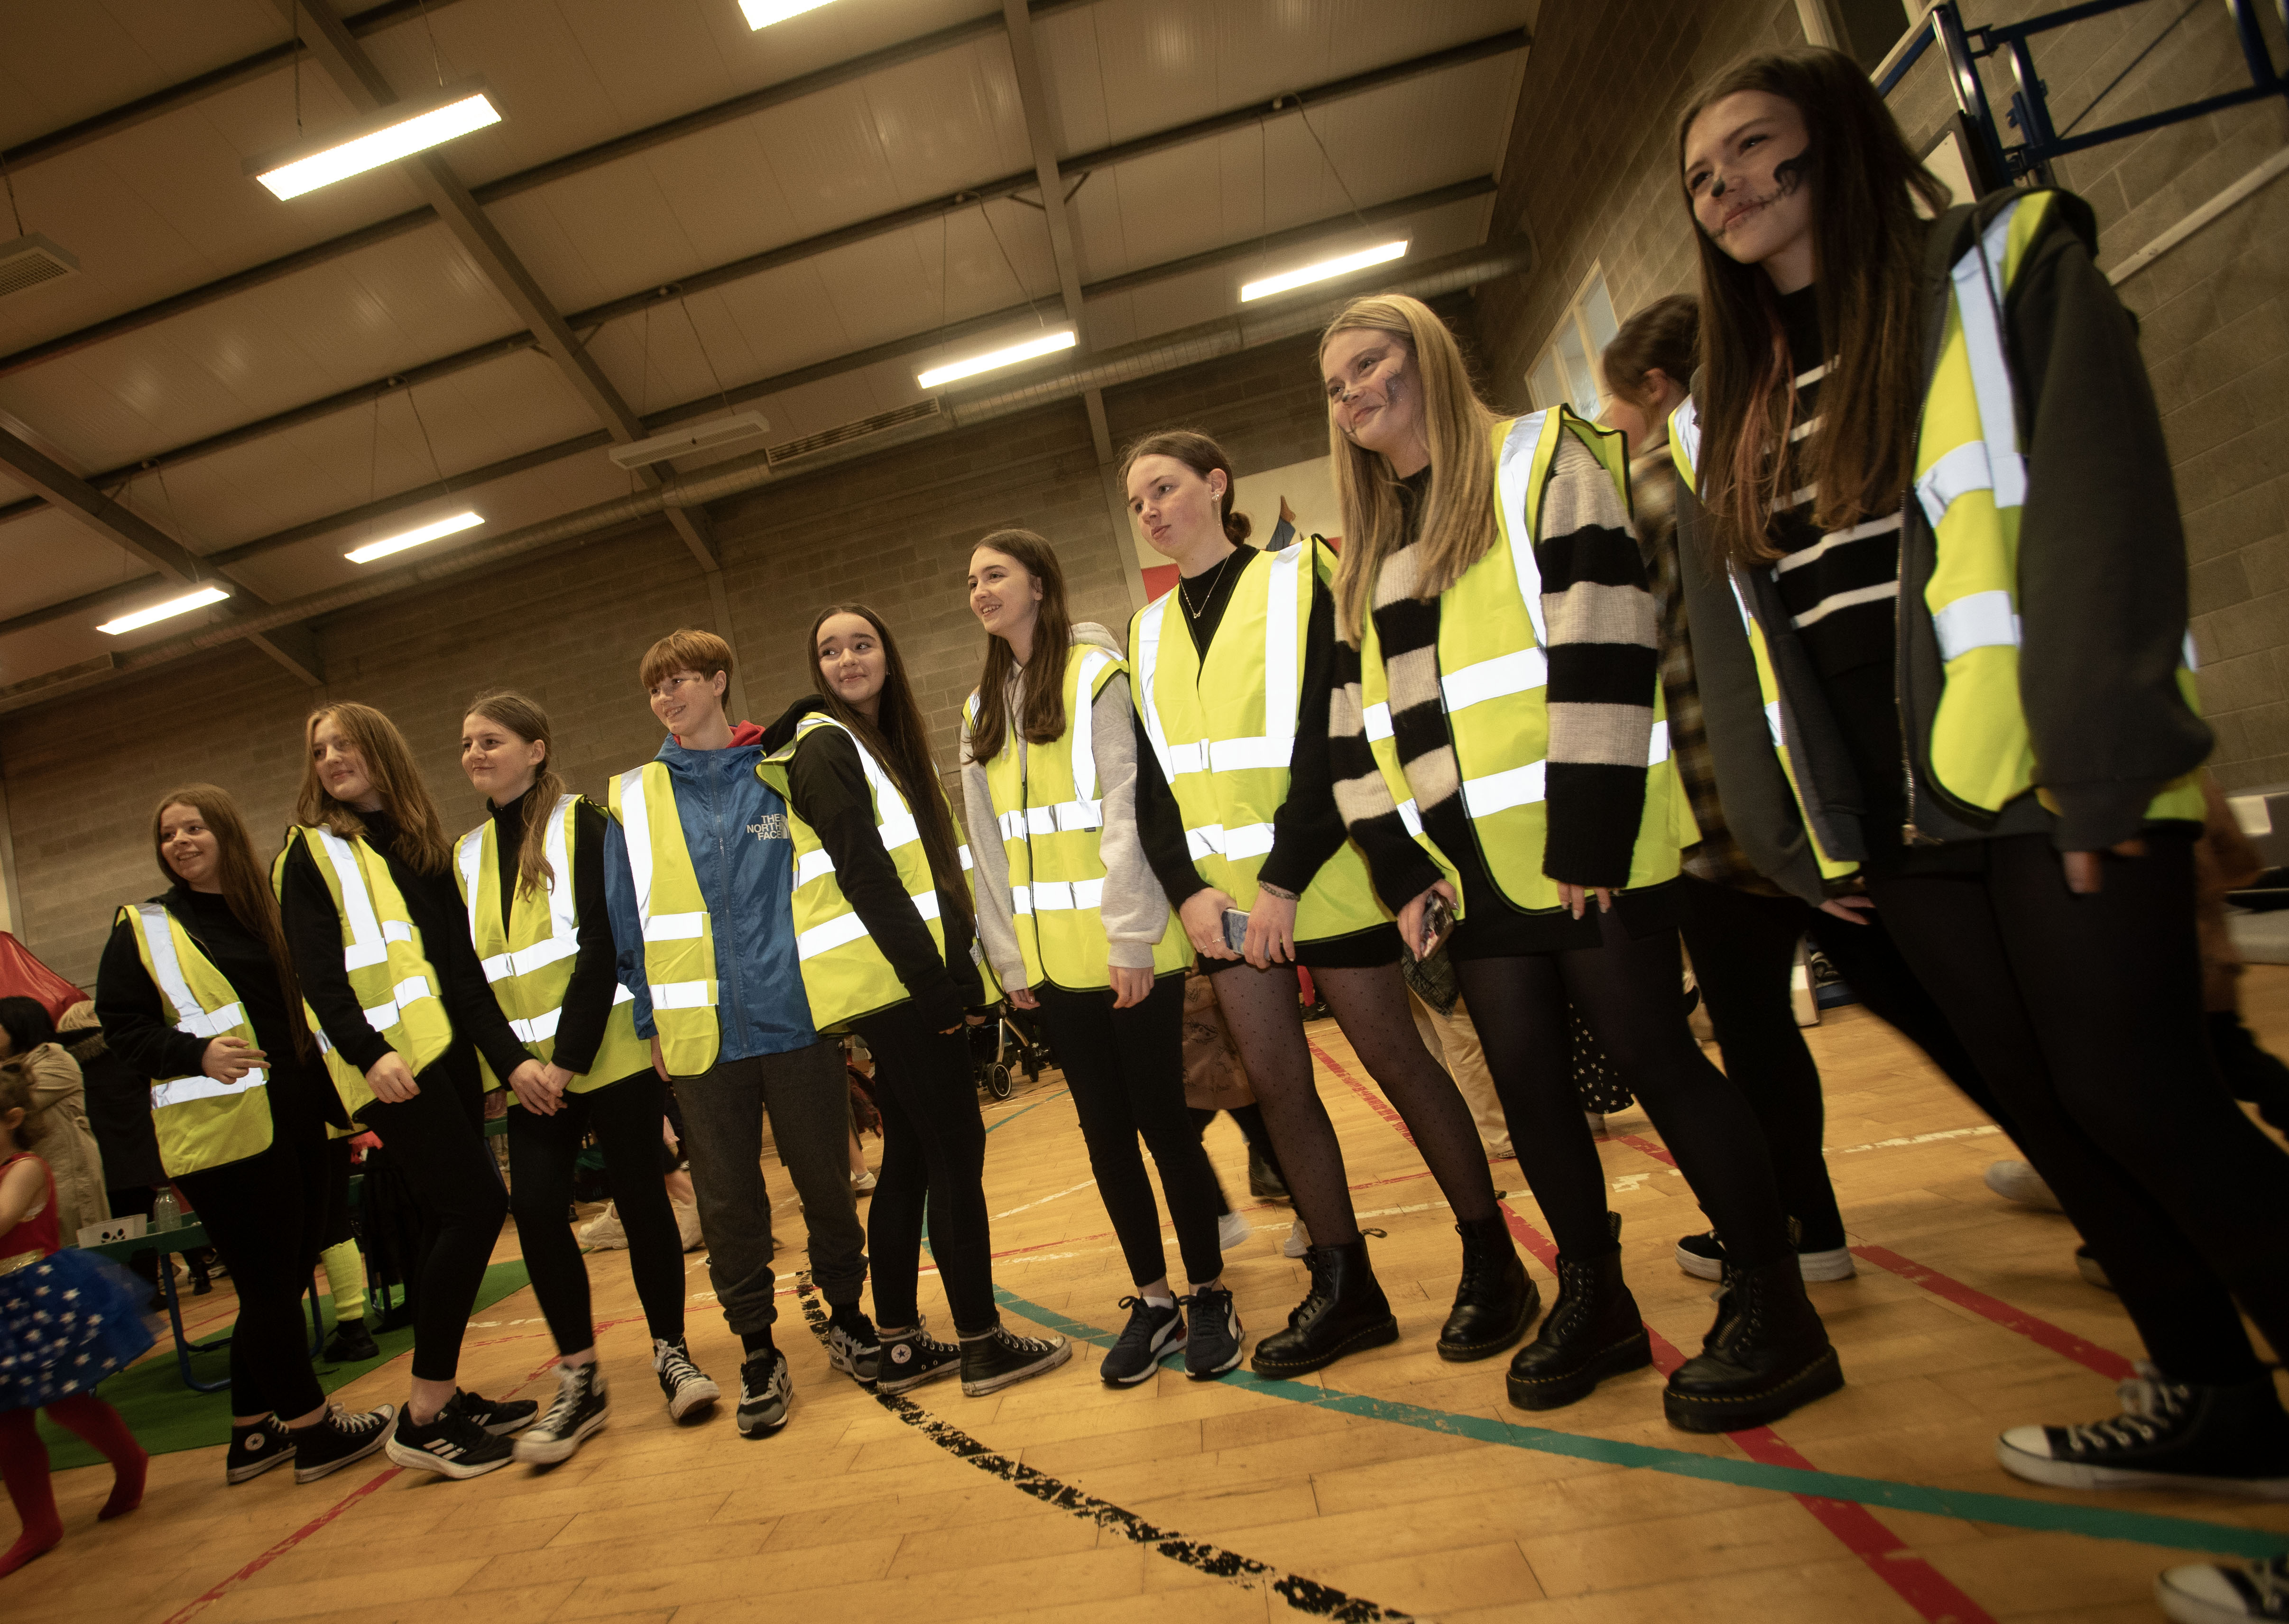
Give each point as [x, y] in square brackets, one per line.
[1362, 949]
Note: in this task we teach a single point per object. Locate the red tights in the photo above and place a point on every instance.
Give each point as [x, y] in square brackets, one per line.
[24, 1465]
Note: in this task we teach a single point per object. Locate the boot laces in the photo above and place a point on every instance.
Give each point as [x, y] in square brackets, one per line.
[2151, 1408]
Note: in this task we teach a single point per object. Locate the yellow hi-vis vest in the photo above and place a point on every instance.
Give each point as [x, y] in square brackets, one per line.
[200, 1123]
[1684, 451]
[1493, 677]
[1224, 730]
[844, 975]
[1971, 479]
[1046, 801]
[679, 939]
[387, 968]
[530, 963]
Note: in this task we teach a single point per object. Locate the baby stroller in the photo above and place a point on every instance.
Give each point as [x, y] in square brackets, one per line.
[1006, 1039]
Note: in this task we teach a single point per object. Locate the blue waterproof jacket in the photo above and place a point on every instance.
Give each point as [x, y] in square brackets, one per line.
[736, 828]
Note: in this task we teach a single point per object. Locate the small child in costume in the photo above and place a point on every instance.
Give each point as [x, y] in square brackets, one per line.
[68, 1319]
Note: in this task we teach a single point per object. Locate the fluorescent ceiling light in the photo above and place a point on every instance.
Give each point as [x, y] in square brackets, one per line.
[991, 358]
[373, 550]
[699, 437]
[764, 14]
[183, 605]
[1379, 254]
[396, 132]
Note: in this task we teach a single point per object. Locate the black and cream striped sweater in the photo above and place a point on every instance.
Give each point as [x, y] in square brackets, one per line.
[1603, 672]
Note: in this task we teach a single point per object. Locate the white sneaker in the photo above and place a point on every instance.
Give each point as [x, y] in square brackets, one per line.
[1234, 1230]
[1298, 1241]
[1596, 1119]
[2207, 1594]
[2017, 1180]
[863, 1183]
[686, 1224]
[603, 1232]
[1836, 1265]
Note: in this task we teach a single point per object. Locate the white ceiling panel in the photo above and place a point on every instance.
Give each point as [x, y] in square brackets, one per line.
[65, 63]
[67, 556]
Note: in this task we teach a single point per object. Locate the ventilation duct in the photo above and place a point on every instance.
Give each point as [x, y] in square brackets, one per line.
[28, 261]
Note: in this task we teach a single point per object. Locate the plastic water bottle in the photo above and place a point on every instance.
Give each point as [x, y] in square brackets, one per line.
[166, 1212]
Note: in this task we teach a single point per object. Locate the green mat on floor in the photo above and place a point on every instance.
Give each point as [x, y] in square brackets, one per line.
[167, 1416]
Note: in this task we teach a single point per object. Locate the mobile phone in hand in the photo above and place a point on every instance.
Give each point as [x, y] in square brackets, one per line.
[1235, 929]
[1437, 922]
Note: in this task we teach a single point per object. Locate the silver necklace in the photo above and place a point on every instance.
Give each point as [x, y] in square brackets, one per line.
[1214, 581]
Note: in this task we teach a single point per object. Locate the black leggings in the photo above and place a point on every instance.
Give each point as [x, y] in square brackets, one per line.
[437, 1140]
[933, 1163]
[2084, 1011]
[625, 1117]
[334, 1227]
[1249, 1120]
[1261, 1008]
[1627, 991]
[265, 1215]
[1126, 1068]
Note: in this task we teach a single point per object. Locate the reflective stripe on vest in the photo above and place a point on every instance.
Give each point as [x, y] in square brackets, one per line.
[671, 911]
[1491, 639]
[198, 1121]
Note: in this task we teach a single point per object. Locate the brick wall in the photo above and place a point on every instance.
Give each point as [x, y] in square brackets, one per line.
[1590, 172]
[84, 773]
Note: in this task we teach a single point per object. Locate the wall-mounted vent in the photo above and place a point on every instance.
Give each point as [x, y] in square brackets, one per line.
[811, 444]
[28, 261]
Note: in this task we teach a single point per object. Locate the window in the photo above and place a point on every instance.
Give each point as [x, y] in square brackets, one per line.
[1567, 369]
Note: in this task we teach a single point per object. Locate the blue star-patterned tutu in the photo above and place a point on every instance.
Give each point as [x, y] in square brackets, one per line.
[66, 1323]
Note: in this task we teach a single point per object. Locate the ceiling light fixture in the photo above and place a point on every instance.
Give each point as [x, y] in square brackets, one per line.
[699, 437]
[398, 131]
[172, 607]
[764, 14]
[987, 362]
[373, 550]
[1381, 253]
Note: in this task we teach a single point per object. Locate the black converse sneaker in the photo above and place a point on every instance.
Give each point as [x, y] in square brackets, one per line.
[1153, 1334]
[2226, 1440]
[852, 1346]
[254, 1450]
[342, 1439]
[910, 1359]
[2206, 1593]
[683, 1384]
[582, 1406]
[1213, 1345]
[766, 1394]
[498, 1416]
[1000, 1357]
[453, 1444]
[1702, 1256]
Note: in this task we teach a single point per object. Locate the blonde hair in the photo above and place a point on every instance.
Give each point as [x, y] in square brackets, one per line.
[404, 795]
[1458, 512]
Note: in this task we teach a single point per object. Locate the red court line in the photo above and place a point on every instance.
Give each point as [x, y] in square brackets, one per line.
[215, 1593]
[1639, 1142]
[1923, 1586]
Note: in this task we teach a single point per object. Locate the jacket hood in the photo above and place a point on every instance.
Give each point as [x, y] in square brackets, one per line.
[780, 734]
[1089, 632]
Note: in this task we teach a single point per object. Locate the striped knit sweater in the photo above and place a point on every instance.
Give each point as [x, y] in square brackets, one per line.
[1603, 672]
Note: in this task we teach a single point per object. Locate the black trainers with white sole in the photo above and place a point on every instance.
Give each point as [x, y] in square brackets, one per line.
[852, 1346]
[2222, 1440]
[684, 1385]
[254, 1450]
[766, 1394]
[1153, 1334]
[1702, 1256]
[915, 1357]
[2212, 1593]
[453, 1442]
[1212, 1345]
[498, 1416]
[1001, 1358]
[582, 1405]
[343, 1438]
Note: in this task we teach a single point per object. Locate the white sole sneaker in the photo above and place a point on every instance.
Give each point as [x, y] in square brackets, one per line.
[1834, 1265]
[1234, 1230]
[2018, 1182]
[2044, 1468]
[2208, 1594]
[550, 1451]
[1298, 1241]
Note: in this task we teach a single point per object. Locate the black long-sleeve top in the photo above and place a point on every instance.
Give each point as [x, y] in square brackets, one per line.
[588, 995]
[827, 789]
[313, 934]
[139, 1029]
[1308, 829]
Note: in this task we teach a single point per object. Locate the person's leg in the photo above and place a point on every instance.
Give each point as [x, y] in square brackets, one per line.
[929, 1106]
[24, 1468]
[1372, 1008]
[1081, 1032]
[441, 1151]
[1249, 1119]
[1743, 948]
[1869, 961]
[1266, 1023]
[1200, 1119]
[624, 1117]
[262, 1215]
[809, 1106]
[98, 1426]
[1455, 1040]
[722, 1111]
[1149, 1047]
[541, 1150]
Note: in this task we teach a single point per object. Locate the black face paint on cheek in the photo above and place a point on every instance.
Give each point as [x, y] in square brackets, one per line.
[1789, 174]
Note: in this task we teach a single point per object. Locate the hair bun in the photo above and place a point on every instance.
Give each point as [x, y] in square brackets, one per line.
[1237, 529]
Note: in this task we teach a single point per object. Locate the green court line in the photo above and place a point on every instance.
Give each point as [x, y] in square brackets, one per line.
[2043, 1516]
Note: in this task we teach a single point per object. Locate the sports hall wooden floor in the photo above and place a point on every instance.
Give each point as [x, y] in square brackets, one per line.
[1391, 1484]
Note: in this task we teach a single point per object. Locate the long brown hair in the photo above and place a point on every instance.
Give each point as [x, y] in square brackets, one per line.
[1203, 456]
[1664, 337]
[421, 842]
[1866, 248]
[1458, 511]
[526, 719]
[1044, 716]
[245, 885]
[897, 737]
